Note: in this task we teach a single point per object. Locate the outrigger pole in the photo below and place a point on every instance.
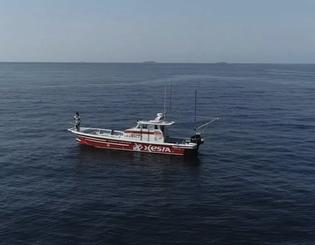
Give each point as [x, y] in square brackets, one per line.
[167, 110]
[205, 125]
[197, 137]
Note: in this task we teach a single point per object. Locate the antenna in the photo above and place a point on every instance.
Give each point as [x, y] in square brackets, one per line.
[164, 112]
[195, 121]
[171, 93]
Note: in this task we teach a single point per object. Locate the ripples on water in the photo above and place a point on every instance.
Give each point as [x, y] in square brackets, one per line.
[252, 183]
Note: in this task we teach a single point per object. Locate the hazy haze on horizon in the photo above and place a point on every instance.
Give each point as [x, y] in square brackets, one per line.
[242, 31]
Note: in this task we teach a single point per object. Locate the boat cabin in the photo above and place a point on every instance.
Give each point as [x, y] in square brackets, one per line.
[151, 130]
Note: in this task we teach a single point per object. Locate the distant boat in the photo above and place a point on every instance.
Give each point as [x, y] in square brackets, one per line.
[149, 62]
[149, 136]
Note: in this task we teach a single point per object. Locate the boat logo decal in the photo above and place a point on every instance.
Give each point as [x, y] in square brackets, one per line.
[151, 148]
[137, 147]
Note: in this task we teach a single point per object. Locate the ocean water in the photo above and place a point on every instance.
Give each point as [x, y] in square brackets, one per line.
[253, 181]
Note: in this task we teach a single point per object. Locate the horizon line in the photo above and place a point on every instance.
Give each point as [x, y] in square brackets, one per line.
[159, 62]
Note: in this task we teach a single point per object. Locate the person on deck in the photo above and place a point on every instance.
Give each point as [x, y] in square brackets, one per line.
[77, 121]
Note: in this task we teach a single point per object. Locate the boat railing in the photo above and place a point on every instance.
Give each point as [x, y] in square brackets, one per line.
[178, 140]
[113, 133]
[132, 136]
[104, 132]
[117, 133]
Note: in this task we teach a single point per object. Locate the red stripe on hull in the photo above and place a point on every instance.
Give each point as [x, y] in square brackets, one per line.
[138, 147]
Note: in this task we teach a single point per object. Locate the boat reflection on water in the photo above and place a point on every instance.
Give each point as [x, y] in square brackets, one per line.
[100, 156]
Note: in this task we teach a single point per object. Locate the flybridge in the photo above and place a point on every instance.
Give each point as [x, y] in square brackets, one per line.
[161, 123]
[159, 120]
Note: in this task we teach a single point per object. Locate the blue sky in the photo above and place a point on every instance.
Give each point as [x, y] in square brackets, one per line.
[278, 31]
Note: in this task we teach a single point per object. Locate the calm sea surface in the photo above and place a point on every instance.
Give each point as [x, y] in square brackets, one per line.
[252, 183]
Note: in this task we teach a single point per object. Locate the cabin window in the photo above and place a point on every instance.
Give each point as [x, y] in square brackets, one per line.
[144, 126]
[156, 127]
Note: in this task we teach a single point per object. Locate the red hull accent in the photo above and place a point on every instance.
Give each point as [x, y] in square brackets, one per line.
[133, 146]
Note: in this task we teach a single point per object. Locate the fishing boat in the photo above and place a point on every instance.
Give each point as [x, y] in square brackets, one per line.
[149, 136]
